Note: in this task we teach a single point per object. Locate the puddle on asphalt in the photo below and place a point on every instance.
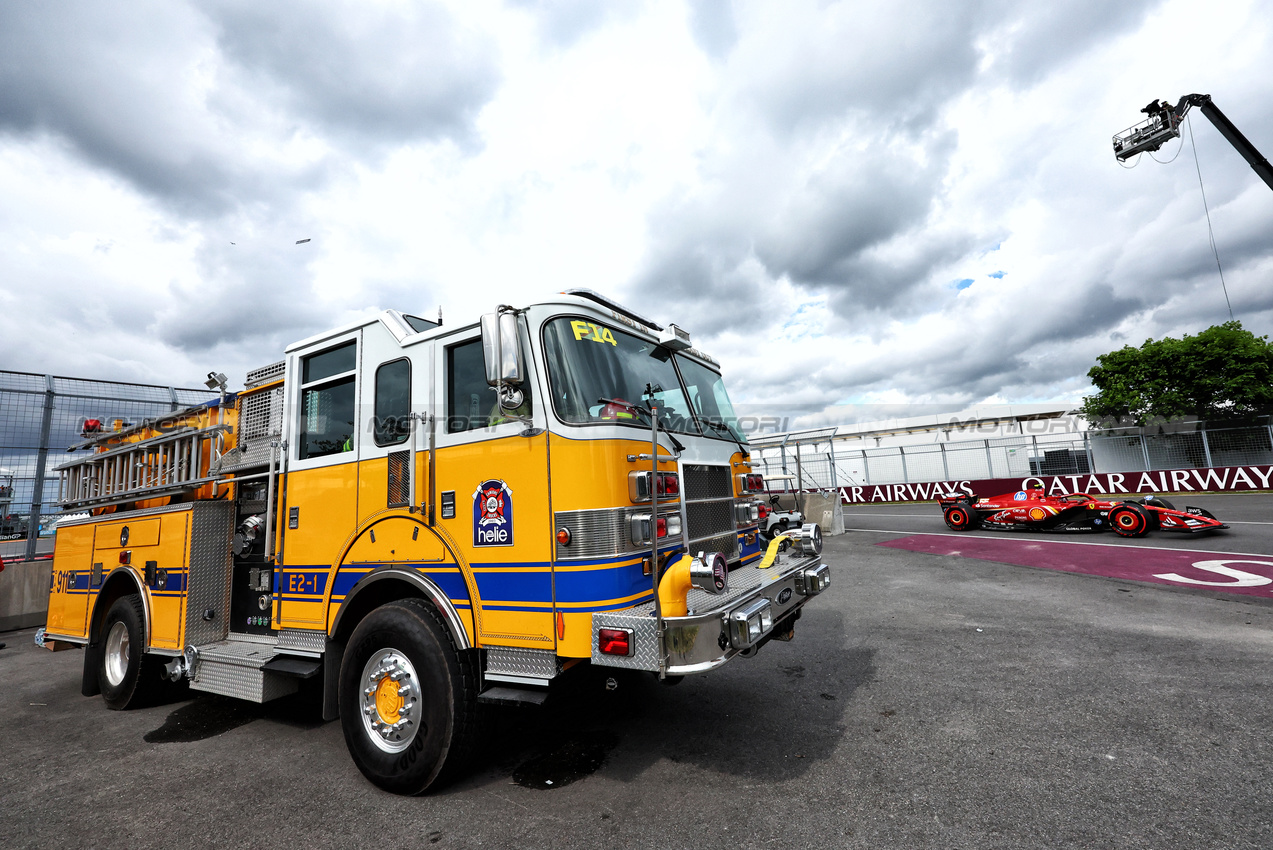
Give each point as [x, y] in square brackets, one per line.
[204, 718]
[571, 760]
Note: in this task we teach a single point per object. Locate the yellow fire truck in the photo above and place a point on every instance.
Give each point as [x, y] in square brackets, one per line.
[427, 518]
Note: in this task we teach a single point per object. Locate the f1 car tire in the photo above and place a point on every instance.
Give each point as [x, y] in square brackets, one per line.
[1129, 520]
[961, 518]
[408, 699]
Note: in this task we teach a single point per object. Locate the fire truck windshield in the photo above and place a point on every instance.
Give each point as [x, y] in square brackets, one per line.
[709, 401]
[602, 374]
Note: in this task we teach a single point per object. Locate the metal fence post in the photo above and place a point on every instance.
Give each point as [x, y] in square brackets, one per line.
[1144, 449]
[906, 478]
[945, 468]
[1206, 447]
[37, 490]
[1091, 458]
[990, 462]
[866, 469]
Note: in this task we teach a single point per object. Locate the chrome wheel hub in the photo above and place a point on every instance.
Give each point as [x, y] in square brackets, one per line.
[389, 700]
[116, 654]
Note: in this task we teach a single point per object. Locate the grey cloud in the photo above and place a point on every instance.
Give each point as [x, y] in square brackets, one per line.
[861, 199]
[1083, 310]
[900, 61]
[237, 301]
[1043, 36]
[142, 90]
[899, 283]
[384, 77]
[713, 27]
[563, 23]
[98, 78]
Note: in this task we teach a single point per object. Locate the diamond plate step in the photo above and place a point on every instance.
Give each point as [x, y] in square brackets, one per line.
[235, 668]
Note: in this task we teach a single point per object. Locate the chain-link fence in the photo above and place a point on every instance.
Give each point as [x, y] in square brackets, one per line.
[41, 416]
[836, 462]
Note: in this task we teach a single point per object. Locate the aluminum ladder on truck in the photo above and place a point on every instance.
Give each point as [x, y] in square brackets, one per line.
[168, 465]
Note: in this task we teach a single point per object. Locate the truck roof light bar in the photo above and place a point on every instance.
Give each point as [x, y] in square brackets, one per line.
[613, 305]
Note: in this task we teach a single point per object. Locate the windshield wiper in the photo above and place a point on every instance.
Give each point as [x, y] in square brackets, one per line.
[721, 428]
[676, 444]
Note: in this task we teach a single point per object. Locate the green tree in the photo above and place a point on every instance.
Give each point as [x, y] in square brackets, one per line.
[1223, 373]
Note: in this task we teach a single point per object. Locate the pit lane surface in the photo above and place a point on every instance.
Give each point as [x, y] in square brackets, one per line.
[927, 701]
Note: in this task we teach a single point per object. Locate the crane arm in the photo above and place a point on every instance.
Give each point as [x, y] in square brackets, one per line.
[1163, 124]
[1254, 158]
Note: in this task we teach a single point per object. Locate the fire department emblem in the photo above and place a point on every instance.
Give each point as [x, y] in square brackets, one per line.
[493, 514]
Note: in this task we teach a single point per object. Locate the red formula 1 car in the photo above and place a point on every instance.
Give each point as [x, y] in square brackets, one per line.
[1034, 510]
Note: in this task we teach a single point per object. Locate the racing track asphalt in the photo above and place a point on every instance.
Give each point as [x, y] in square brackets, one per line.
[927, 701]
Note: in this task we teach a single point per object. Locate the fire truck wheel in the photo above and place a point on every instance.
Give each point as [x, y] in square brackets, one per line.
[1129, 520]
[122, 659]
[408, 698]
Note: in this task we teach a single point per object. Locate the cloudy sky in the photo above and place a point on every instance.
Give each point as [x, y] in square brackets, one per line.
[845, 202]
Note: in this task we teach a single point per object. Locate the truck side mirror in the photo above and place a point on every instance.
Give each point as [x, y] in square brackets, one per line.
[502, 350]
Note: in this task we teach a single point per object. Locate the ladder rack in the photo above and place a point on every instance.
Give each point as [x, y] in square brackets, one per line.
[169, 465]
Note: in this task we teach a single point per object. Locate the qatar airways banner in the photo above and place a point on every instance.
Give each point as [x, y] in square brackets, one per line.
[1216, 480]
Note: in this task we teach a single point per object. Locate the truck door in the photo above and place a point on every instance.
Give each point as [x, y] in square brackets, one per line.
[492, 499]
[321, 501]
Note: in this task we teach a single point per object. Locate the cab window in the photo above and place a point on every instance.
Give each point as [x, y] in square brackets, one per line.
[468, 397]
[393, 402]
[470, 402]
[327, 401]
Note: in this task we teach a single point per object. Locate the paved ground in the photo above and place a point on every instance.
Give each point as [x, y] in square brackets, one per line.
[927, 701]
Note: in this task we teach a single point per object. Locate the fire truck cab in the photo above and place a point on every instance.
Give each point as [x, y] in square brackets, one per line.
[425, 517]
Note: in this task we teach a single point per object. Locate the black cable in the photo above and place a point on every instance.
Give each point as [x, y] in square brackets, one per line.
[1210, 233]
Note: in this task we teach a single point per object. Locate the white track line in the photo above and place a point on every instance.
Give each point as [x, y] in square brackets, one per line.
[1063, 542]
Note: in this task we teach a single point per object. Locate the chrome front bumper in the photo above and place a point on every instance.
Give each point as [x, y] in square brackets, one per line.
[717, 627]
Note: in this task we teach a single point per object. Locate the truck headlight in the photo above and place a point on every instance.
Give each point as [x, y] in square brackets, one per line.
[813, 580]
[749, 624]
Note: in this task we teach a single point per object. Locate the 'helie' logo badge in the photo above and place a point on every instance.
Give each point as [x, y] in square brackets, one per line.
[493, 514]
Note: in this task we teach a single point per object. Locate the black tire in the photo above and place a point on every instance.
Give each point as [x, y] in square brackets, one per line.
[1129, 520]
[438, 715]
[961, 517]
[122, 665]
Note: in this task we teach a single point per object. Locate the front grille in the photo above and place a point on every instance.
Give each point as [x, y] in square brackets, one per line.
[709, 510]
[707, 482]
[708, 518]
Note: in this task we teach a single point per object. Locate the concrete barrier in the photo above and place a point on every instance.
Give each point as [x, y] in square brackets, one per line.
[24, 594]
[824, 509]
